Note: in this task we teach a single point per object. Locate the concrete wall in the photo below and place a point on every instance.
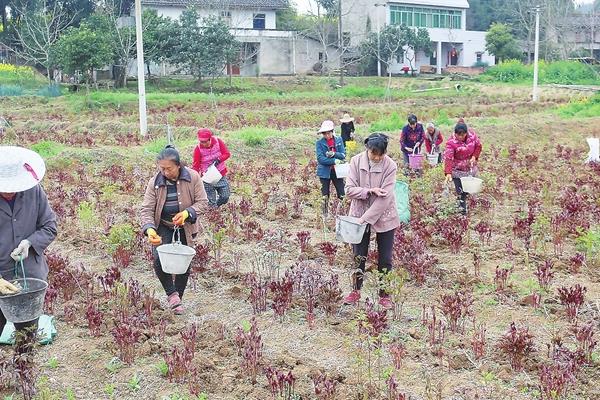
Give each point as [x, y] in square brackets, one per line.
[239, 18]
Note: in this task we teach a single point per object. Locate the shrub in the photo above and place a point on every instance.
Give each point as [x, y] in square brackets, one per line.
[391, 123]
[510, 71]
[121, 236]
[255, 136]
[47, 148]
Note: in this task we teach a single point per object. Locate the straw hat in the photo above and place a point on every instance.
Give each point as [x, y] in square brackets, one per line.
[326, 126]
[346, 118]
[20, 169]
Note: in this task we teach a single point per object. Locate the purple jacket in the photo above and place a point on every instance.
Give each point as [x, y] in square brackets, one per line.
[379, 212]
[409, 136]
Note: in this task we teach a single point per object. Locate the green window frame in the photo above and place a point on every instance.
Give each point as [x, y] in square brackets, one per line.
[426, 17]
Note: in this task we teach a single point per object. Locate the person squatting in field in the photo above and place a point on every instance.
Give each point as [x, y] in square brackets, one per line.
[411, 138]
[212, 150]
[433, 140]
[370, 188]
[329, 151]
[27, 227]
[460, 159]
[174, 198]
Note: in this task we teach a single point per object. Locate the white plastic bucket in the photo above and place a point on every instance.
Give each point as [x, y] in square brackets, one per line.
[348, 230]
[471, 184]
[594, 144]
[175, 258]
[342, 170]
[212, 175]
[432, 159]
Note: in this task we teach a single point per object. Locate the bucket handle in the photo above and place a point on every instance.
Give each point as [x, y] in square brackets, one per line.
[176, 232]
[17, 264]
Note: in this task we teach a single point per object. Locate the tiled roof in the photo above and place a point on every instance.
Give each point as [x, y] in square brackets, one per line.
[222, 4]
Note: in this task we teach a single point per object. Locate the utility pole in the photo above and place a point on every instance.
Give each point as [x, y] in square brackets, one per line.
[140, 68]
[378, 37]
[536, 96]
[341, 42]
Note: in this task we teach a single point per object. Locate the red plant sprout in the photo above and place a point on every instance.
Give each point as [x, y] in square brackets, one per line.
[501, 278]
[436, 330]
[188, 336]
[303, 238]
[576, 262]
[245, 207]
[329, 250]
[179, 364]
[517, 344]
[126, 333]
[110, 277]
[484, 230]
[250, 347]
[282, 291]
[69, 312]
[252, 231]
[280, 383]
[94, 318]
[392, 390]
[398, 352]
[478, 341]
[477, 264]
[258, 292]
[330, 295]
[453, 230]
[310, 285]
[456, 307]
[375, 322]
[122, 257]
[324, 386]
[545, 274]
[584, 335]
[572, 298]
[50, 299]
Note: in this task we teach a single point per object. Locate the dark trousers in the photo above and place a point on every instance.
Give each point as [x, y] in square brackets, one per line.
[171, 283]
[338, 183]
[27, 329]
[385, 247]
[462, 196]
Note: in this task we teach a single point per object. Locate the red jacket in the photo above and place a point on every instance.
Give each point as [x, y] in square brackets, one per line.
[437, 136]
[458, 154]
[197, 164]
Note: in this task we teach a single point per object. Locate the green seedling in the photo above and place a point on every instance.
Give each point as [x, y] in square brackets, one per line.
[114, 365]
[52, 363]
[134, 383]
[109, 389]
[162, 368]
[70, 395]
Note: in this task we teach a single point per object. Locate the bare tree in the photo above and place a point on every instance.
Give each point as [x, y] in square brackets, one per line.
[38, 28]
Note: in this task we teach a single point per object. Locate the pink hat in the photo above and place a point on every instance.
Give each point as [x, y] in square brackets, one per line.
[204, 134]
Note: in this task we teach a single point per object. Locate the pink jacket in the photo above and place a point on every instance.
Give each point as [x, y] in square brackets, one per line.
[380, 212]
[458, 154]
[205, 156]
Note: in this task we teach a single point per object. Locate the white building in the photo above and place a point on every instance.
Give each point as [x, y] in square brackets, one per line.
[265, 49]
[446, 20]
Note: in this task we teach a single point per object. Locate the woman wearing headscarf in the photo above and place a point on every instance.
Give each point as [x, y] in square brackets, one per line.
[370, 188]
[433, 140]
[330, 151]
[347, 128]
[460, 159]
[27, 223]
[211, 150]
[173, 200]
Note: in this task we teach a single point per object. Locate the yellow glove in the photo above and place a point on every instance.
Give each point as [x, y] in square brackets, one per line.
[179, 218]
[153, 237]
[7, 288]
[351, 145]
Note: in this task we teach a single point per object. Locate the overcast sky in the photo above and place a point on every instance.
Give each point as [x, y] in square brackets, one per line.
[305, 6]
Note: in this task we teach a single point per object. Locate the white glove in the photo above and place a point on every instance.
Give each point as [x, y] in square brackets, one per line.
[21, 251]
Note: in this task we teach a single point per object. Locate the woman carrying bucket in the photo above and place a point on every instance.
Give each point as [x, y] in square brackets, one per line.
[27, 224]
[433, 140]
[370, 186]
[212, 151]
[330, 151]
[173, 200]
[411, 138]
[460, 159]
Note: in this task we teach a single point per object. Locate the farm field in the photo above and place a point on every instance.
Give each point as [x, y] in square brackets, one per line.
[263, 315]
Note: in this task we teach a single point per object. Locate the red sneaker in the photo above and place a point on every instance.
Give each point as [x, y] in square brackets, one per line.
[386, 302]
[353, 298]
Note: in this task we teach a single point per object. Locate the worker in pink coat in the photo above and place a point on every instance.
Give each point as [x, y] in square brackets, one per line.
[460, 159]
[370, 188]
